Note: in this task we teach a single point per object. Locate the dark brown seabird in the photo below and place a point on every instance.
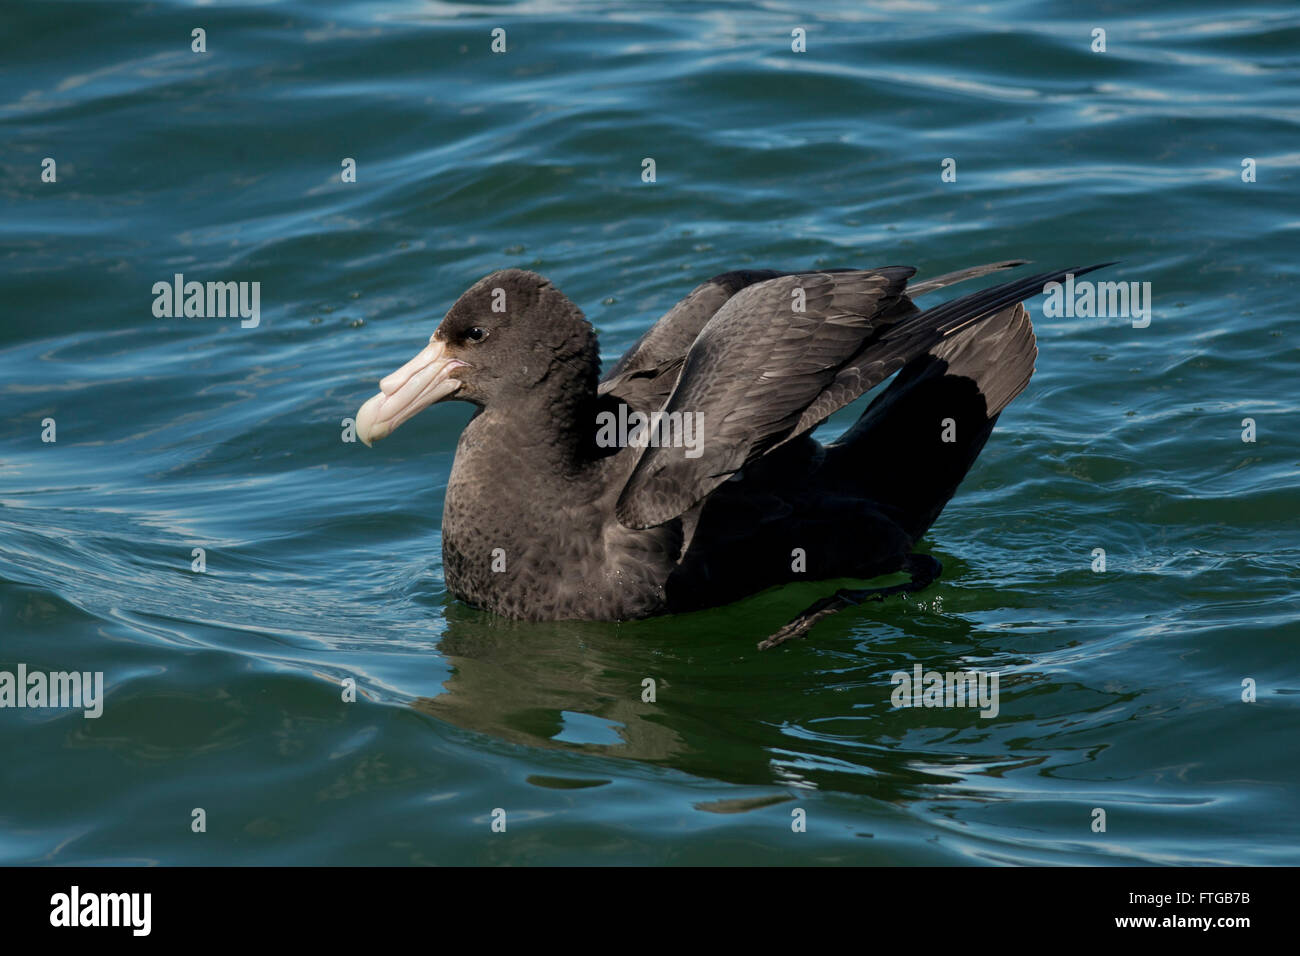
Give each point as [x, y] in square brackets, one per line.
[546, 518]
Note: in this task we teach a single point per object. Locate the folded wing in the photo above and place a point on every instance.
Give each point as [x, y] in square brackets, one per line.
[761, 371]
[767, 354]
[647, 372]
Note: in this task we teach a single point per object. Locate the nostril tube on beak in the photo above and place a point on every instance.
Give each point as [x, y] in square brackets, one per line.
[428, 355]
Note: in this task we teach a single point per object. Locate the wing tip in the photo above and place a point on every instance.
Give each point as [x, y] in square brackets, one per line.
[1093, 268]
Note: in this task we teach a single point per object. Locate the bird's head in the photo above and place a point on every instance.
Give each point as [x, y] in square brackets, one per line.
[508, 334]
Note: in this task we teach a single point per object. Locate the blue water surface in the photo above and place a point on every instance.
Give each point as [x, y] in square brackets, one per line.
[1120, 691]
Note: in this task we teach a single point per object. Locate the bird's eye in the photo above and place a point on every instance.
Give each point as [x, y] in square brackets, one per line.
[476, 334]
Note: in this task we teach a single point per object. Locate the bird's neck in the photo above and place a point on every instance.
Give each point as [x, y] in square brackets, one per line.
[548, 432]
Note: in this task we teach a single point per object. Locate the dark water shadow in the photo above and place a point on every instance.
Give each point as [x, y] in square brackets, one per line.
[817, 714]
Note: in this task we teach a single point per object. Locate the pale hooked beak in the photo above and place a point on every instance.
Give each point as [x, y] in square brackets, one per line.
[412, 388]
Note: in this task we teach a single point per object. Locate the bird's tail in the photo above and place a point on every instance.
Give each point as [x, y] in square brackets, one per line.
[915, 443]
